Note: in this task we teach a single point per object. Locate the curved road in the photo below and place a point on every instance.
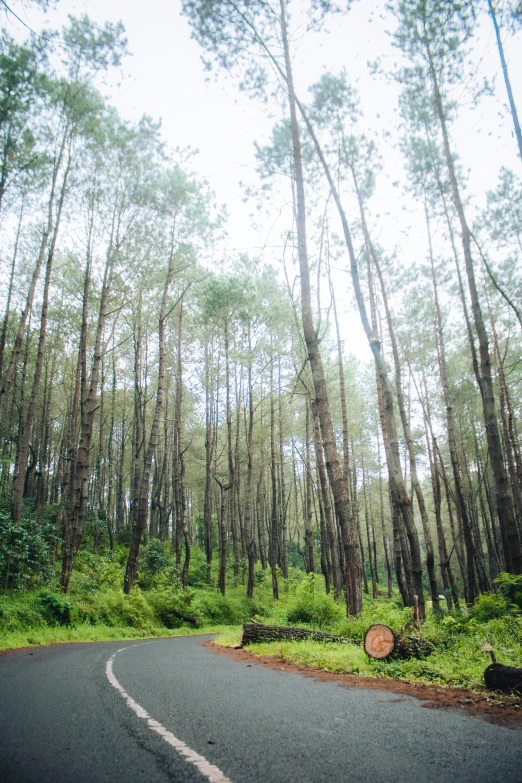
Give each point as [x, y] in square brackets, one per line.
[171, 710]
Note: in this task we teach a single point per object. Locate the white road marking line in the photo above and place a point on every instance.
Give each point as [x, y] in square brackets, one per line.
[212, 773]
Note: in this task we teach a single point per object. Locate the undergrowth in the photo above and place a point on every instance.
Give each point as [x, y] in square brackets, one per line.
[458, 637]
[33, 610]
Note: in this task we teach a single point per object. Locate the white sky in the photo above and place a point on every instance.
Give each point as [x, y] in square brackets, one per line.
[165, 78]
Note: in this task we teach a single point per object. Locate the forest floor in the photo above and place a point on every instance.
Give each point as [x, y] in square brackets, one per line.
[496, 708]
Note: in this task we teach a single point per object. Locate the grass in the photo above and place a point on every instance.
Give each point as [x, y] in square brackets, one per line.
[457, 661]
[42, 637]
[34, 612]
[444, 668]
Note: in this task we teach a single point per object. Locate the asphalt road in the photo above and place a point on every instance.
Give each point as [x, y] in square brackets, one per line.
[64, 718]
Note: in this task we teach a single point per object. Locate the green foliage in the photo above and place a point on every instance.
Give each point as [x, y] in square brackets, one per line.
[56, 609]
[97, 572]
[488, 607]
[25, 552]
[152, 562]
[114, 609]
[165, 602]
[510, 586]
[313, 607]
[219, 608]
[19, 613]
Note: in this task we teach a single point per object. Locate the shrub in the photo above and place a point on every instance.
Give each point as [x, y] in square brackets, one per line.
[154, 558]
[19, 613]
[510, 586]
[56, 609]
[25, 552]
[313, 607]
[489, 606]
[220, 609]
[95, 572]
[165, 602]
[113, 608]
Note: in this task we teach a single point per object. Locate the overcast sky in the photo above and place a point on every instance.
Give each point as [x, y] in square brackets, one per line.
[164, 78]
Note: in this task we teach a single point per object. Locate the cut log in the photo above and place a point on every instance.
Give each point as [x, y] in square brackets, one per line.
[381, 642]
[507, 679]
[255, 633]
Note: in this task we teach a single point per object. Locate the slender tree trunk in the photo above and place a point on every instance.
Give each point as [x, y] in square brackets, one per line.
[222, 573]
[512, 106]
[140, 519]
[209, 455]
[327, 507]
[336, 477]
[504, 503]
[248, 520]
[342, 384]
[274, 531]
[367, 521]
[23, 454]
[383, 526]
[283, 501]
[76, 521]
[7, 314]
[309, 537]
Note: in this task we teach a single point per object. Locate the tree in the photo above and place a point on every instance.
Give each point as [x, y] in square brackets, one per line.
[435, 37]
[229, 31]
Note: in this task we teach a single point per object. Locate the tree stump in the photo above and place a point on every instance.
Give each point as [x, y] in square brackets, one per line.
[256, 633]
[381, 642]
[507, 679]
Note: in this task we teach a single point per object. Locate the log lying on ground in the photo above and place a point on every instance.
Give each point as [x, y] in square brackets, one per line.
[381, 642]
[256, 633]
[184, 617]
[507, 679]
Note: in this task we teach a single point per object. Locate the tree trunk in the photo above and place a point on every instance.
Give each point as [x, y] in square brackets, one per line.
[336, 477]
[512, 106]
[140, 519]
[7, 313]
[248, 520]
[504, 503]
[256, 633]
[80, 488]
[209, 442]
[23, 453]
[309, 556]
[383, 526]
[274, 532]
[327, 507]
